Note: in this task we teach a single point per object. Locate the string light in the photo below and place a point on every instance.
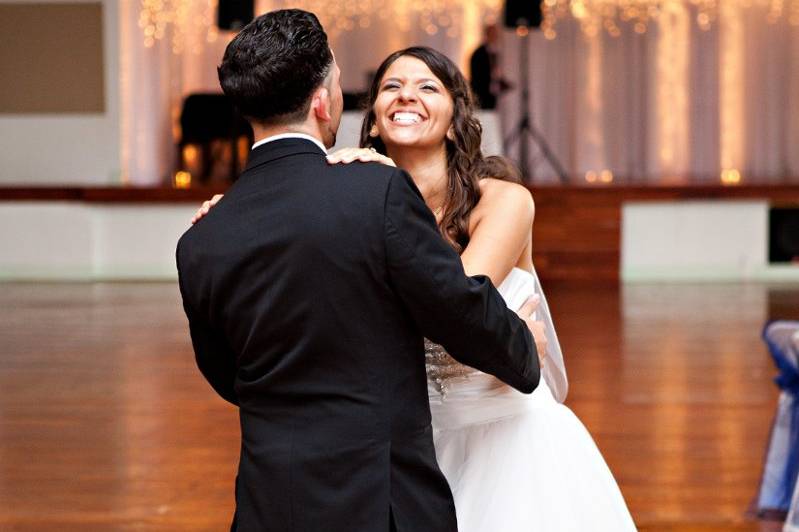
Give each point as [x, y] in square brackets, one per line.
[432, 16]
[610, 15]
[179, 20]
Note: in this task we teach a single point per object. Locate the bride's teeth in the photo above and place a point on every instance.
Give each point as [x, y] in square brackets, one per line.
[407, 118]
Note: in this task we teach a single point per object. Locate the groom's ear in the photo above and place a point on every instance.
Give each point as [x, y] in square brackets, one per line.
[321, 104]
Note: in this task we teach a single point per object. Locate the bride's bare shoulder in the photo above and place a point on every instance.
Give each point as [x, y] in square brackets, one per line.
[498, 196]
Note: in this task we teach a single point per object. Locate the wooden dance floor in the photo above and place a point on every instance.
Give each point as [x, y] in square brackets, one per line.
[106, 425]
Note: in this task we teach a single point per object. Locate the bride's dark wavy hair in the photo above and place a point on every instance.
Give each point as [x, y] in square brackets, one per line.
[466, 165]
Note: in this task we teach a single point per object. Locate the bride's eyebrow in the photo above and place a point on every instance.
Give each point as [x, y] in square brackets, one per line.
[417, 80]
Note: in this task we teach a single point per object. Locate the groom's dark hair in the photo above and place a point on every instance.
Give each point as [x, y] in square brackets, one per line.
[271, 68]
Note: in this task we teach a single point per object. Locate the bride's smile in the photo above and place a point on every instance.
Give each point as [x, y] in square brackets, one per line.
[412, 106]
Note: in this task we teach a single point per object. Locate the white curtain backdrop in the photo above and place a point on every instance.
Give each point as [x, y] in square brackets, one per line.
[154, 80]
[673, 105]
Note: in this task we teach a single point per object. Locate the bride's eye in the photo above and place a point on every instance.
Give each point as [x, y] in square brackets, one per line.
[429, 88]
[390, 86]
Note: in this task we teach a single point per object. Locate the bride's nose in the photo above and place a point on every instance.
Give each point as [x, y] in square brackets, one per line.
[407, 94]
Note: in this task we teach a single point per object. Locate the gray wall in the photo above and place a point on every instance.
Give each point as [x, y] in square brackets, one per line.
[59, 121]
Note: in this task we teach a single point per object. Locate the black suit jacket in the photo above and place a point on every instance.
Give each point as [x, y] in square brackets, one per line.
[309, 289]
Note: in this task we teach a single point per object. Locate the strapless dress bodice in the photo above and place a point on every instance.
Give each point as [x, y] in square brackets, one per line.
[444, 372]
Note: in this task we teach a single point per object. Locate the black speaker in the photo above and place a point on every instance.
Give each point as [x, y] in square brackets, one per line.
[783, 234]
[524, 13]
[235, 14]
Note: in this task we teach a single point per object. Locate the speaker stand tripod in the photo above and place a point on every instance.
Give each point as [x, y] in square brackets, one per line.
[525, 128]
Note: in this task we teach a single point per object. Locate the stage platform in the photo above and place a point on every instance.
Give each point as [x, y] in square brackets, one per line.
[635, 233]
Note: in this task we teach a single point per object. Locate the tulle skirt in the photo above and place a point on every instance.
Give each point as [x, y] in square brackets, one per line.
[521, 463]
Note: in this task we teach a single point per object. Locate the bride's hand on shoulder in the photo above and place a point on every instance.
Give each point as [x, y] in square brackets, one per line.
[205, 207]
[364, 155]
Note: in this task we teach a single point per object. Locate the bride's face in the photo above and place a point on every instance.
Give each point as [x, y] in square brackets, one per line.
[413, 108]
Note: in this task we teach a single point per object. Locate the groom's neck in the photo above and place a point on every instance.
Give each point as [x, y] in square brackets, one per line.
[261, 132]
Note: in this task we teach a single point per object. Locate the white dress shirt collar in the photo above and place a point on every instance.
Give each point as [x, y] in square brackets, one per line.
[290, 136]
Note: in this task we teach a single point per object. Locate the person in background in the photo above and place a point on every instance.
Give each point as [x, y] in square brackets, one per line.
[486, 74]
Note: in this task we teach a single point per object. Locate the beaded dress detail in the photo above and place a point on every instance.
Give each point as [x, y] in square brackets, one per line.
[442, 368]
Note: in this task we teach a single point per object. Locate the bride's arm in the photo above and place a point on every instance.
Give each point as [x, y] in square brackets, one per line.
[502, 230]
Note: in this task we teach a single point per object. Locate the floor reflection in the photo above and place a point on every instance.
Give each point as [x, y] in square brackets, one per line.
[105, 423]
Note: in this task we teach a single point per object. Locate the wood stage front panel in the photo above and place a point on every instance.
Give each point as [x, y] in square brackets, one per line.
[106, 424]
[576, 233]
[577, 230]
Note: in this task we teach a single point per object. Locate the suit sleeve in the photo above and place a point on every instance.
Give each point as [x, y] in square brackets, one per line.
[464, 314]
[215, 359]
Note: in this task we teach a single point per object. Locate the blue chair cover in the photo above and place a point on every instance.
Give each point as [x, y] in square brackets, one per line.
[782, 457]
[792, 522]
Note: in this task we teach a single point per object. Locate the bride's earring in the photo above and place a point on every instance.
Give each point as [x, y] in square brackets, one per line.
[373, 132]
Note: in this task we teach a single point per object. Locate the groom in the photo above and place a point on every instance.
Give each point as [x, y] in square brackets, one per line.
[309, 289]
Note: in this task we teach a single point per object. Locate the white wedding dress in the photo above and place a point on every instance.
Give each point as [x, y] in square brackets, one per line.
[516, 462]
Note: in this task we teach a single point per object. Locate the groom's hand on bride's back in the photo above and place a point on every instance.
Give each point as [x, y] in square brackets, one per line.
[525, 312]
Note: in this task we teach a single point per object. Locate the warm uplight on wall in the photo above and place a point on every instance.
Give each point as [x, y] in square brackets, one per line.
[672, 88]
[191, 160]
[182, 179]
[730, 176]
[190, 154]
[732, 79]
[604, 177]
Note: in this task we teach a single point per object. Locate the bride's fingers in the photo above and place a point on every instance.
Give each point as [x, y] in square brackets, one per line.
[538, 330]
[365, 155]
[371, 156]
[348, 155]
[529, 306]
[352, 155]
[202, 211]
[339, 155]
[204, 208]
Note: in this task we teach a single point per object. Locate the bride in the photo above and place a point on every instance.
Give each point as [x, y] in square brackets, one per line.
[514, 462]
